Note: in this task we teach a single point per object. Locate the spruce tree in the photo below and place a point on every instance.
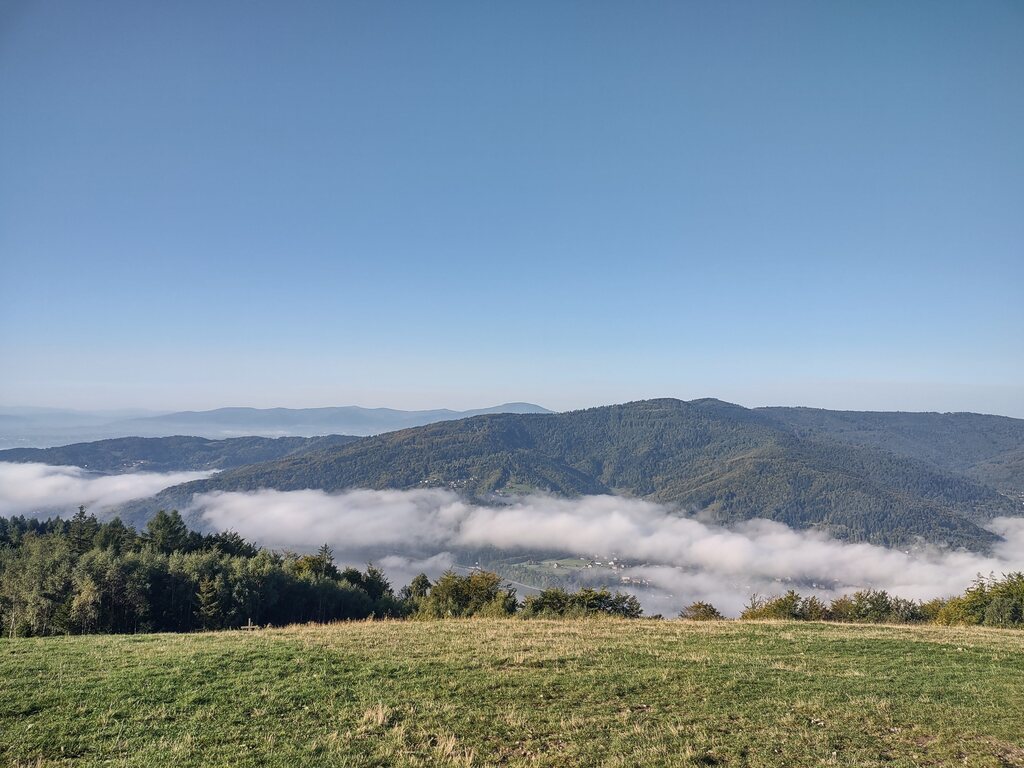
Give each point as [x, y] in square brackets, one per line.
[82, 531]
[208, 600]
[325, 561]
[167, 531]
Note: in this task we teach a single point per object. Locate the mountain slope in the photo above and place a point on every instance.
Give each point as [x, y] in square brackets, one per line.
[989, 449]
[172, 454]
[731, 462]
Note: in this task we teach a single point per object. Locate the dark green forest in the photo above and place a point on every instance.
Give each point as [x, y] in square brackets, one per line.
[989, 449]
[82, 575]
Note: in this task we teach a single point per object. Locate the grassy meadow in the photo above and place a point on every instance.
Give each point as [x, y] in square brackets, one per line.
[510, 692]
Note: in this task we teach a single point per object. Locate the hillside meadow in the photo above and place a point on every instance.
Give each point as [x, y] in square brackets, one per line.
[507, 692]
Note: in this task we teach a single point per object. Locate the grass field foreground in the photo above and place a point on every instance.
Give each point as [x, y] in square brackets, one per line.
[508, 692]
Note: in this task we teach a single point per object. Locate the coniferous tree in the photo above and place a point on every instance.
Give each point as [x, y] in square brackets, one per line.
[376, 583]
[167, 532]
[325, 560]
[115, 536]
[82, 530]
[208, 601]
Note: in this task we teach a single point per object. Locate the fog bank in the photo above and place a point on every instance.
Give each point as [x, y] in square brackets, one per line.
[670, 559]
[30, 488]
[681, 558]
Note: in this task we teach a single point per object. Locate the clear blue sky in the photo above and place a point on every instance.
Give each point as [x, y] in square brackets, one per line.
[456, 204]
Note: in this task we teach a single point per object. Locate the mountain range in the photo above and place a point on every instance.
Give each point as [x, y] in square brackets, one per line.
[41, 427]
[895, 479]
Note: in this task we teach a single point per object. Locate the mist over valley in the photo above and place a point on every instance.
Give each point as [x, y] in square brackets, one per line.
[673, 501]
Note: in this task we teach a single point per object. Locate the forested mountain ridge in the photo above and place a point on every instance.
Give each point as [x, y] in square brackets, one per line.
[987, 448]
[731, 462]
[172, 454]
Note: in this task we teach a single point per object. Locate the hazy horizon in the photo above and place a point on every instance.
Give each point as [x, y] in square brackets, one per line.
[143, 412]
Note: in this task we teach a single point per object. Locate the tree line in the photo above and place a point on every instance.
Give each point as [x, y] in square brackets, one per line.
[990, 601]
[85, 576]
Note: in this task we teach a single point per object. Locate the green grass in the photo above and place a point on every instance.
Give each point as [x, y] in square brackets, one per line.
[510, 692]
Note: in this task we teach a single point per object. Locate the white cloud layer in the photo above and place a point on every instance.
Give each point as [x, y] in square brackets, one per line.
[683, 559]
[680, 558]
[30, 488]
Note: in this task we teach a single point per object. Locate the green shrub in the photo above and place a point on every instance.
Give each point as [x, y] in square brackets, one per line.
[481, 593]
[989, 601]
[557, 602]
[1005, 612]
[786, 606]
[700, 611]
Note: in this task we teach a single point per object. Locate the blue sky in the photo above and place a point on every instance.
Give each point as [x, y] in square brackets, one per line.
[457, 204]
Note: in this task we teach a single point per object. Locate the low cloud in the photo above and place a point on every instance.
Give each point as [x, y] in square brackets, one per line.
[351, 520]
[673, 559]
[33, 488]
[681, 559]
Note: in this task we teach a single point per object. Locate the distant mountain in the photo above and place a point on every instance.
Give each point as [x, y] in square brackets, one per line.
[730, 462]
[67, 416]
[351, 419]
[40, 428]
[173, 454]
